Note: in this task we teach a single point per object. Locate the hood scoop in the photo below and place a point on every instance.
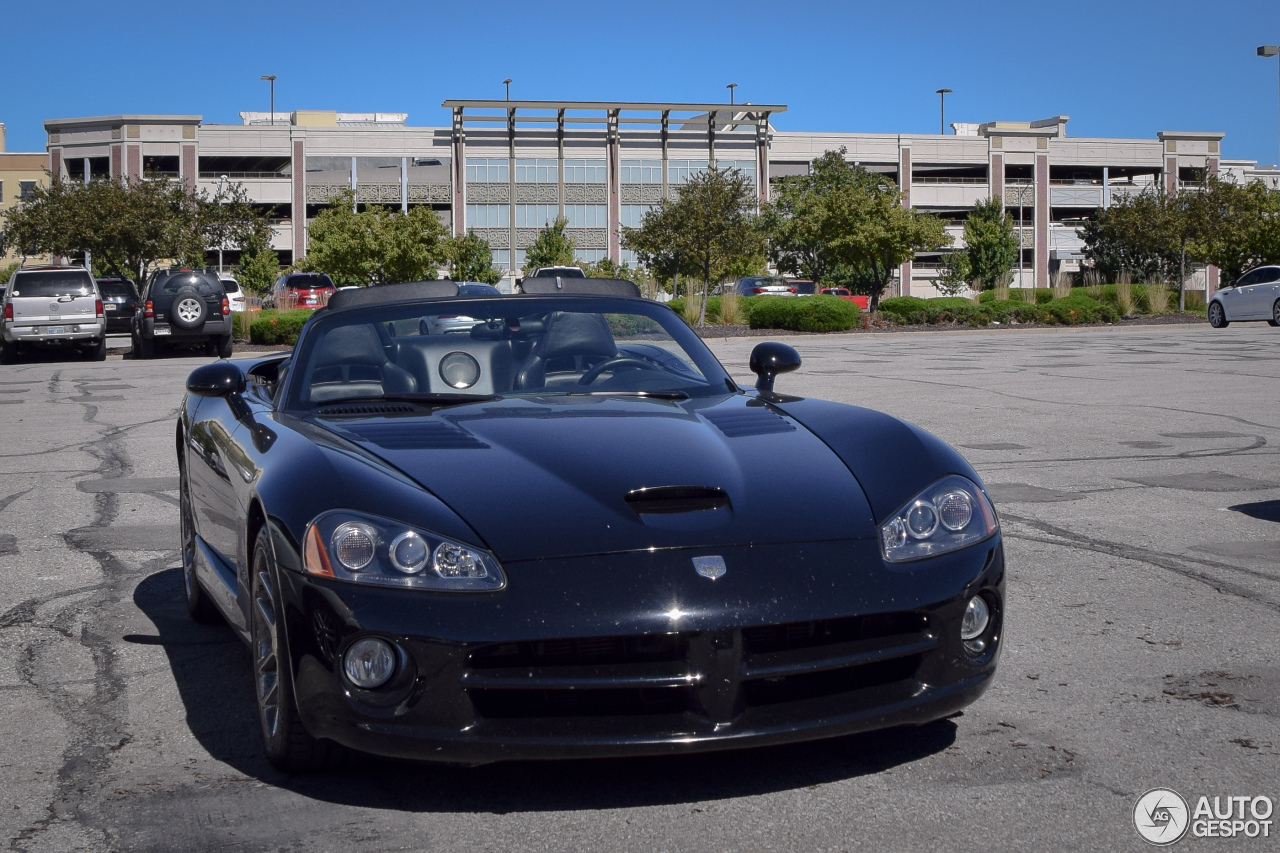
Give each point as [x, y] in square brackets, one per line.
[752, 420]
[372, 409]
[681, 507]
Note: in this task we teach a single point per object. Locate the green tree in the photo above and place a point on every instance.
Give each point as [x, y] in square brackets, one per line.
[991, 246]
[1120, 239]
[375, 246]
[656, 245]
[794, 220]
[955, 274]
[227, 219]
[259, 267]
[709, 227]
[551, 248]
[1241, 227]
[471, 259]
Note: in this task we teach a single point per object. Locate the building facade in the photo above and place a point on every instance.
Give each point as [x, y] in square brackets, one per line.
[20, 174]
[506, 168]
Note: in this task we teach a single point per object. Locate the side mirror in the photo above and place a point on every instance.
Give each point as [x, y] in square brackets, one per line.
[768, 360]
[220, 379]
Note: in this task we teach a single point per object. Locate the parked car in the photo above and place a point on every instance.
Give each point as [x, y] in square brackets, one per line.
[552, 272]
[445, 324]
[863, 302]
[757, 285]
[802, 286]
[234, 294]
[301, 290]
[1253, 296]
[672, 579]
[182, 307]
[53, 306]
[119, 301]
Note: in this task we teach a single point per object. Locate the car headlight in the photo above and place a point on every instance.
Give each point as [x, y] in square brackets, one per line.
[361, 548]
[951, 514]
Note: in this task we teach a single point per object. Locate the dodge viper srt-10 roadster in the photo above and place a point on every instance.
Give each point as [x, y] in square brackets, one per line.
[568, 532]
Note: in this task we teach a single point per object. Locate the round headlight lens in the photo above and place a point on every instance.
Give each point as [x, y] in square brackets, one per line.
[353, 545]
[955, 510]
[409, 553]
[369, 663]
[976, 618]
[456, 561]
[922, 520]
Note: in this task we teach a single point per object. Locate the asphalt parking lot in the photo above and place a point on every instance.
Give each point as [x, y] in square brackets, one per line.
[1136, 474]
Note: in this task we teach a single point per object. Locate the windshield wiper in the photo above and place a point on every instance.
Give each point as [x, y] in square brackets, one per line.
[425, 399]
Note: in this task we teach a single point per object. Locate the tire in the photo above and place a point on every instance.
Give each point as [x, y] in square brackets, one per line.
[1217, 316]
[1275, 314]
[99, 353]
[199, 607]
[288, 744]
[8, 352]
[226, 346]
[188, 311]
[144, 347]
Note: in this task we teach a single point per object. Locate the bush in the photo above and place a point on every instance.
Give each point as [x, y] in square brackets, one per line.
[713, 307]
[1072, 310]
[272, 328]
[1194, 302]
[804, 314]
[1081, 308]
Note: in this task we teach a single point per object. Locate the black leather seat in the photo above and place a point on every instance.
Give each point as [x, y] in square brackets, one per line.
[351, 362]
[568, 335]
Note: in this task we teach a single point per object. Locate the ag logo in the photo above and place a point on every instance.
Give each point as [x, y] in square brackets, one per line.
[709, 567]
[1161, 816]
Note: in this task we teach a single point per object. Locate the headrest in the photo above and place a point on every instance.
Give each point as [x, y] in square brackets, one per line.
[382, 294]
[577, 334]
[357, 344]
[548, 285]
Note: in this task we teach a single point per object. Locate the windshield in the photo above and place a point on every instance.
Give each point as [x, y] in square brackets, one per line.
[501, 347]
[308, 282]
[52, 283]
[110, 289]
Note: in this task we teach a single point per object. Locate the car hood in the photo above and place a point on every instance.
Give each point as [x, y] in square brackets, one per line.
[546, 477]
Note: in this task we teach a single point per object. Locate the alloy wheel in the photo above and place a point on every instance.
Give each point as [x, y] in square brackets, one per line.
[266, 648]
[188, 539]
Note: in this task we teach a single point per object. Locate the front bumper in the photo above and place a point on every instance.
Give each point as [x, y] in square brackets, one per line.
[636, 655]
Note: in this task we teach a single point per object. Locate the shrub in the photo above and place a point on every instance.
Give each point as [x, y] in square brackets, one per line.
[1081, 308]
[1194, 300]
[805, 314]
[271, 328]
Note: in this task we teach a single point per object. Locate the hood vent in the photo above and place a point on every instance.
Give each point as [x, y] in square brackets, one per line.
[375, 409]
[738, 423]
[416, 435]
[668, 500]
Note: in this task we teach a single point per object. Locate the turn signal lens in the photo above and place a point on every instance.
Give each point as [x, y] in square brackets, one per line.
[149, 312]
[226, 307]
[8, 311]
[353, 545]
[97, 308]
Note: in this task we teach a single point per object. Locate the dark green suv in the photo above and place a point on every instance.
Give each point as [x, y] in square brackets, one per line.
[182, 307]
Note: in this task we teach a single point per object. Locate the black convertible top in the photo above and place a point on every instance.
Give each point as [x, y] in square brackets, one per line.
[385, 293]
[554, 285]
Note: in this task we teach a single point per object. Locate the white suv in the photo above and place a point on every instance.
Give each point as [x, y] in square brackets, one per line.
[53, 306]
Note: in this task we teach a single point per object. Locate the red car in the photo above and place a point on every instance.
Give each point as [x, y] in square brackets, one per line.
[301, 290]
[863, 302]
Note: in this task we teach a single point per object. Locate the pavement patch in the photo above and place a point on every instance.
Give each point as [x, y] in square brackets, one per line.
[129, 484]
[1209, 481]
[1253, 550]
[160, 537]
[999, 445]
[1026, 493]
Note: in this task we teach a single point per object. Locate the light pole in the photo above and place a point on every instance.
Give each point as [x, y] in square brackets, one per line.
[1270, 50]
[271, 79]
[507, 83]
[731, 87]
[222, 237]
[942, 121]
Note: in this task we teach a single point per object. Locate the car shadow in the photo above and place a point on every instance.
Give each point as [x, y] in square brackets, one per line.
[212, 670]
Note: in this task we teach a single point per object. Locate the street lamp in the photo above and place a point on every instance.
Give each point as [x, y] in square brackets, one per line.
[271, 79]
[731, 87]
[507, 83]
[222, 237]
[1269, 50]
[942, 122]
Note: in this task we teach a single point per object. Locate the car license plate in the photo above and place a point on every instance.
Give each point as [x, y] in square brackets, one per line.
[56, 330]
[160, 331]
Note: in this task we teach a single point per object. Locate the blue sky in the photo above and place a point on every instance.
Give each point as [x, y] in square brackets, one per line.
[1117, 68]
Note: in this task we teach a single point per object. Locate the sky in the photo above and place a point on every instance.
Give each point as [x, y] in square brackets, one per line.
[1124, 68]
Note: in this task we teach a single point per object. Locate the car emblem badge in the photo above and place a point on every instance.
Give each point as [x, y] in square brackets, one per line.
[709, 567]
[53, 306]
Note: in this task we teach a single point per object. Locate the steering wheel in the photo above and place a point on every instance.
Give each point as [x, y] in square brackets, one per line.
[617, 361]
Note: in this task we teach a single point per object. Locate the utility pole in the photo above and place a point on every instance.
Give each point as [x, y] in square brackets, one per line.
[271, 79]
[942, 121]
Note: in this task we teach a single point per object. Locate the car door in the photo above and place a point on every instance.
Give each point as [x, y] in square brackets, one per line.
[1234, 298]
[1259, 296]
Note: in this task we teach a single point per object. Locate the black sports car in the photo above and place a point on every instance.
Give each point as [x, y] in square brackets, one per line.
[569, 532]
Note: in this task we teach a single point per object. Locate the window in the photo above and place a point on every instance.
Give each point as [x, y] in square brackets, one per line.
[679, 171]
[632, 214]
[587, 215]
[488, 215]
[590, 256]
[536, 215]
[502, 259]
[641, 171]
[491, 170]
[746, 167]
[629, 258]
[1, 190]
[537, 172]
[584, 172]
[26, 189]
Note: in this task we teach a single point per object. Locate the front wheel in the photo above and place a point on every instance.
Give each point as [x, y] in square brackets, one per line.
[226, 346]
[289, 746]
[1217, 317]
[200, 608]
[1275, 314]
[8, 352]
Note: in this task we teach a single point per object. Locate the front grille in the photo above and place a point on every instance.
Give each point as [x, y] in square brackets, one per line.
[583, 651]
[812, 685]
[508, 704]
[804, 635]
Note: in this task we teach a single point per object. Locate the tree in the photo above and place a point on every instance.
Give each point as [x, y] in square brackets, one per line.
[991, 247]
[710, 226]
[376, 245]
[130, 226]
[1119, 239]
[471, 259]
[551, 248]
[656, 245]
[259, 266]
[793, 221]
[1241, 227]
[955, 274]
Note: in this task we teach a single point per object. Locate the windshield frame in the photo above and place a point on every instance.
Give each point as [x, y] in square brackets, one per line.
[718, 380]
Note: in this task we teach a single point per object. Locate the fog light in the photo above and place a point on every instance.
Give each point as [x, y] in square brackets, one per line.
[369, 662]
[976, 617]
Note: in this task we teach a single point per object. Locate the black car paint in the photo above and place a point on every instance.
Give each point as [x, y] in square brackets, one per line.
[582, 563]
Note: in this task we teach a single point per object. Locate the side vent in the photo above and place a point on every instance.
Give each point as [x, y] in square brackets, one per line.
[416, 434]
[738, 423]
